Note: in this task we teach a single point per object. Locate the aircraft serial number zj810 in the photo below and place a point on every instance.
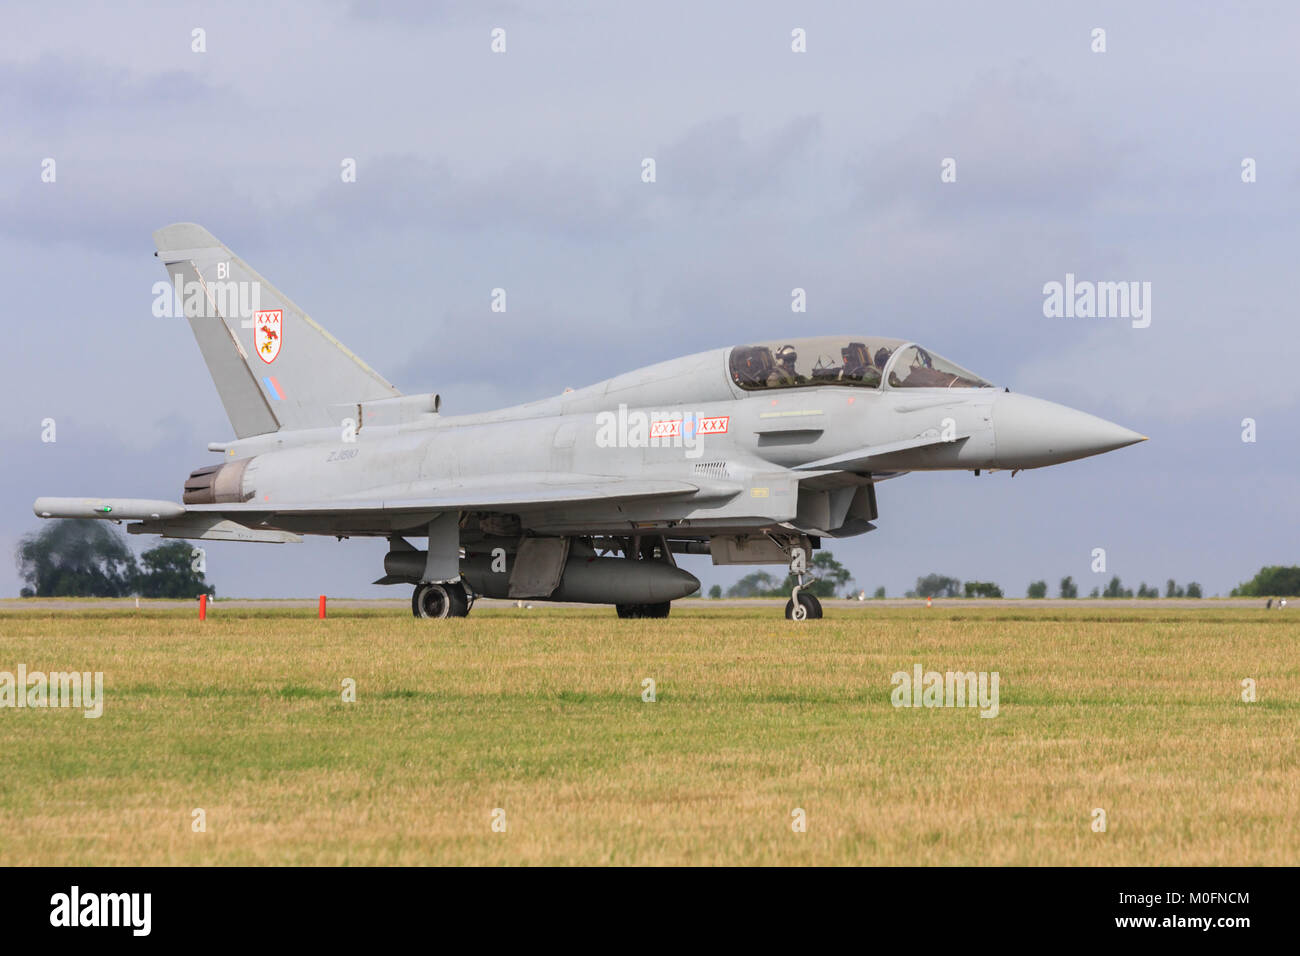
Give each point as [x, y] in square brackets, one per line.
[752, 454]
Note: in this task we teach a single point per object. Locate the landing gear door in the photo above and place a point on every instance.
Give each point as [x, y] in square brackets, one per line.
[539, 565]
[755, 549]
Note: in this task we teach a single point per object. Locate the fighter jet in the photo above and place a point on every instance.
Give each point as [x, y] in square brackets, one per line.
[753, 454]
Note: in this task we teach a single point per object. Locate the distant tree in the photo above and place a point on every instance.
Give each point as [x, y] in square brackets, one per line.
[982, 589]
[1172, 590]
[1037, 589]
[1068, 588]
[1271, 581]
[166, 571]
[880, 592]
[1115, 589]
[758, 584]
[1148, 592]
[1094, 593]
[76, 558]
[1193, 589]
[937, 585]
[715, 591]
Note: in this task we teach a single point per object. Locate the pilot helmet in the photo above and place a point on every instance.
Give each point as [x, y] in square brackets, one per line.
[786, 355]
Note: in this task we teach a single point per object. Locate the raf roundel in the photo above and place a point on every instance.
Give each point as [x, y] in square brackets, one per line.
[268, 334]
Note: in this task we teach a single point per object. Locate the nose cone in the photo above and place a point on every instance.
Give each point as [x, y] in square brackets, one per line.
[1029, 433]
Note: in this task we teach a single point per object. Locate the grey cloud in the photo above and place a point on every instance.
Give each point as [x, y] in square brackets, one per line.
[715, 162]
[54, 90]
[437, 12]
[1023, 148]
[410, 191]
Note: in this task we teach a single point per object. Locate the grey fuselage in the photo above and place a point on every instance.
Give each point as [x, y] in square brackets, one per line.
[750, 472]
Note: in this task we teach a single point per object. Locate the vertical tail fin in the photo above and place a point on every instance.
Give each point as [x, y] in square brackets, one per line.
[273, 366]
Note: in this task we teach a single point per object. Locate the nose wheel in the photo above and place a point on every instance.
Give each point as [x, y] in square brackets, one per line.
[802, 606]
[440, 599]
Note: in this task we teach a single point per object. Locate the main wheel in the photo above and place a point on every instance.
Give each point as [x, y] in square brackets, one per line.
[644, 610]
[808, 604]
[439, 599]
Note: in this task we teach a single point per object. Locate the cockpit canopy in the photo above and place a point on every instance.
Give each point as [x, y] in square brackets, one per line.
[837, 360]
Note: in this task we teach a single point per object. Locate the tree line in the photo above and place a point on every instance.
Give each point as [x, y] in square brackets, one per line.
[943, 586]
[1274, 581]
[1271, 581]
[1116, 589]
[86, 558]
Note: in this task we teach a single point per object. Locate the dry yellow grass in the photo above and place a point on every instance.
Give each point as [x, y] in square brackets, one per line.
[1137, 711]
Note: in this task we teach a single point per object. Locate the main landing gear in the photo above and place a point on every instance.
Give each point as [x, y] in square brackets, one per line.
[441, 599]
[441, 592]
[802, 605]
[646, 548]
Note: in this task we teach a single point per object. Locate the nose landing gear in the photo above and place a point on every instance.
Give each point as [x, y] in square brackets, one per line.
[802, 605]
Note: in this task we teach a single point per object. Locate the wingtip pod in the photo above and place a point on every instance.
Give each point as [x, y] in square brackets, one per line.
[113, 509]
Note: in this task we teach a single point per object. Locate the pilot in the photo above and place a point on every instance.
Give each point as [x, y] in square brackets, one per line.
[784, 372]
[882, 356]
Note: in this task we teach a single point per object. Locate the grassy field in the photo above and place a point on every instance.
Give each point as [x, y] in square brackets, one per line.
[540, 713]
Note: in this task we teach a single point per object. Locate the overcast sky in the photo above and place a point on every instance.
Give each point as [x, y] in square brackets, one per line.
[775, 170]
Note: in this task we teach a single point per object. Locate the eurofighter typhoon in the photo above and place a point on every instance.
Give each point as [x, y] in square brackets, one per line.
[752, 454]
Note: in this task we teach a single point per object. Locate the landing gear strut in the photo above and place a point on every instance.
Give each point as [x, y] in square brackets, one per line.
[440, 599]
[801, 606]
